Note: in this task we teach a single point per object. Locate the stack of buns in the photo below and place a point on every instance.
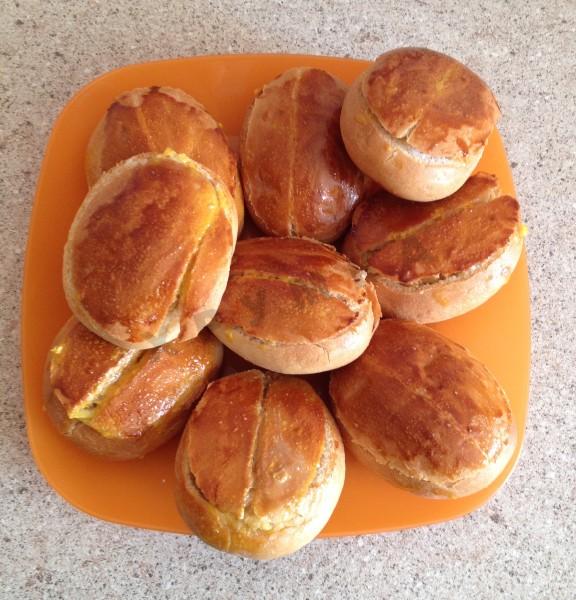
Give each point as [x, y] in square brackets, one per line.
[158, 284]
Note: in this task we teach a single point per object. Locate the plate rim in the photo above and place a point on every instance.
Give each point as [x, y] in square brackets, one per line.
[25, 290]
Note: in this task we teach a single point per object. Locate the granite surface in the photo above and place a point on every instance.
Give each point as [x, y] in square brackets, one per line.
[523, 543]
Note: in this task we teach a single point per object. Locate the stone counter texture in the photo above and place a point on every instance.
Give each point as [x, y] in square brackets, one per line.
[522, 544]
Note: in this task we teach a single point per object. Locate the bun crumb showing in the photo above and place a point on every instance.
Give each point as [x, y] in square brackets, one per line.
[418, 409]
[260, 466]
[417, 122]
[122, 404]
[295, 306]
[432, 262]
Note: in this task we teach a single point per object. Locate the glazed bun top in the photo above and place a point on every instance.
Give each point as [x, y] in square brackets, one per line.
[419, 243]
[421, 404]
[430, 101]
[121, 393]
[297, 176]
[237, 475]
[291, 290]
[154, 119]
[148, 253]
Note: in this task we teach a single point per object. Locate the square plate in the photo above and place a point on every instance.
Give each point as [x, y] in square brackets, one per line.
[140, 493]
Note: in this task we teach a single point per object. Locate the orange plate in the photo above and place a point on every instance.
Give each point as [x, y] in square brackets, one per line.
[139, 493]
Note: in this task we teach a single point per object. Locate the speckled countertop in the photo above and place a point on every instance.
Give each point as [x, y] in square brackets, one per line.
[523, 543]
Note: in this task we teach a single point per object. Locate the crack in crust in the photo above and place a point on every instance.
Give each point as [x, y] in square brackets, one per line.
[439, 214]
[401, 144]
[169, 325]
[351, 303]
[272, 529]
[246, 505]
[292, 228]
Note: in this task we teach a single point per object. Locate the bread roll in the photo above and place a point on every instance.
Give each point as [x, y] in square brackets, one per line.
[295, 306]
[297, 177]
[153, 119]
[122, 404]
[417, 122]
[421, 411]
[148, 254]
[260, 466]
[431, 262]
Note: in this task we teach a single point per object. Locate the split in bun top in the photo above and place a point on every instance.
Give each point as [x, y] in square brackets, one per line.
[156, 118]
[121, 403]
[435, 104]
[260, 466]
[417, 122]
[148, 253]
[297, 176]
[434, 261]
[295, 306]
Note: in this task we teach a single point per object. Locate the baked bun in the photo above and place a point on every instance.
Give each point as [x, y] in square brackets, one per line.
[417, 122]
[430, 262]
[122, 404]
[260, 466]
[295, 306]
[422, 412]
[156, 118]
[148, 254]
[297, 177]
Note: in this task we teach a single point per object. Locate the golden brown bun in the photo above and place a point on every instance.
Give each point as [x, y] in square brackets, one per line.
[122, 404]
[417, 122]
[297, 177]
[148, 254]
[418, 409]
[260, 466]
[431, 262]
[295, 306]
[154, 119]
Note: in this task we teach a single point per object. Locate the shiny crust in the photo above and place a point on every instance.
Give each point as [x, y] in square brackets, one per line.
[420, 410]
[433, 102]
[260, 466]
[295, 306]
[419, 272]
[148, 254]
[298, 178]
[417, 122]
[122, 404]
[156, 118]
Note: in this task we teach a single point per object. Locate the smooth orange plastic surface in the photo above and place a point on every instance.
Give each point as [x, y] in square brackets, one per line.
[140, 493]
